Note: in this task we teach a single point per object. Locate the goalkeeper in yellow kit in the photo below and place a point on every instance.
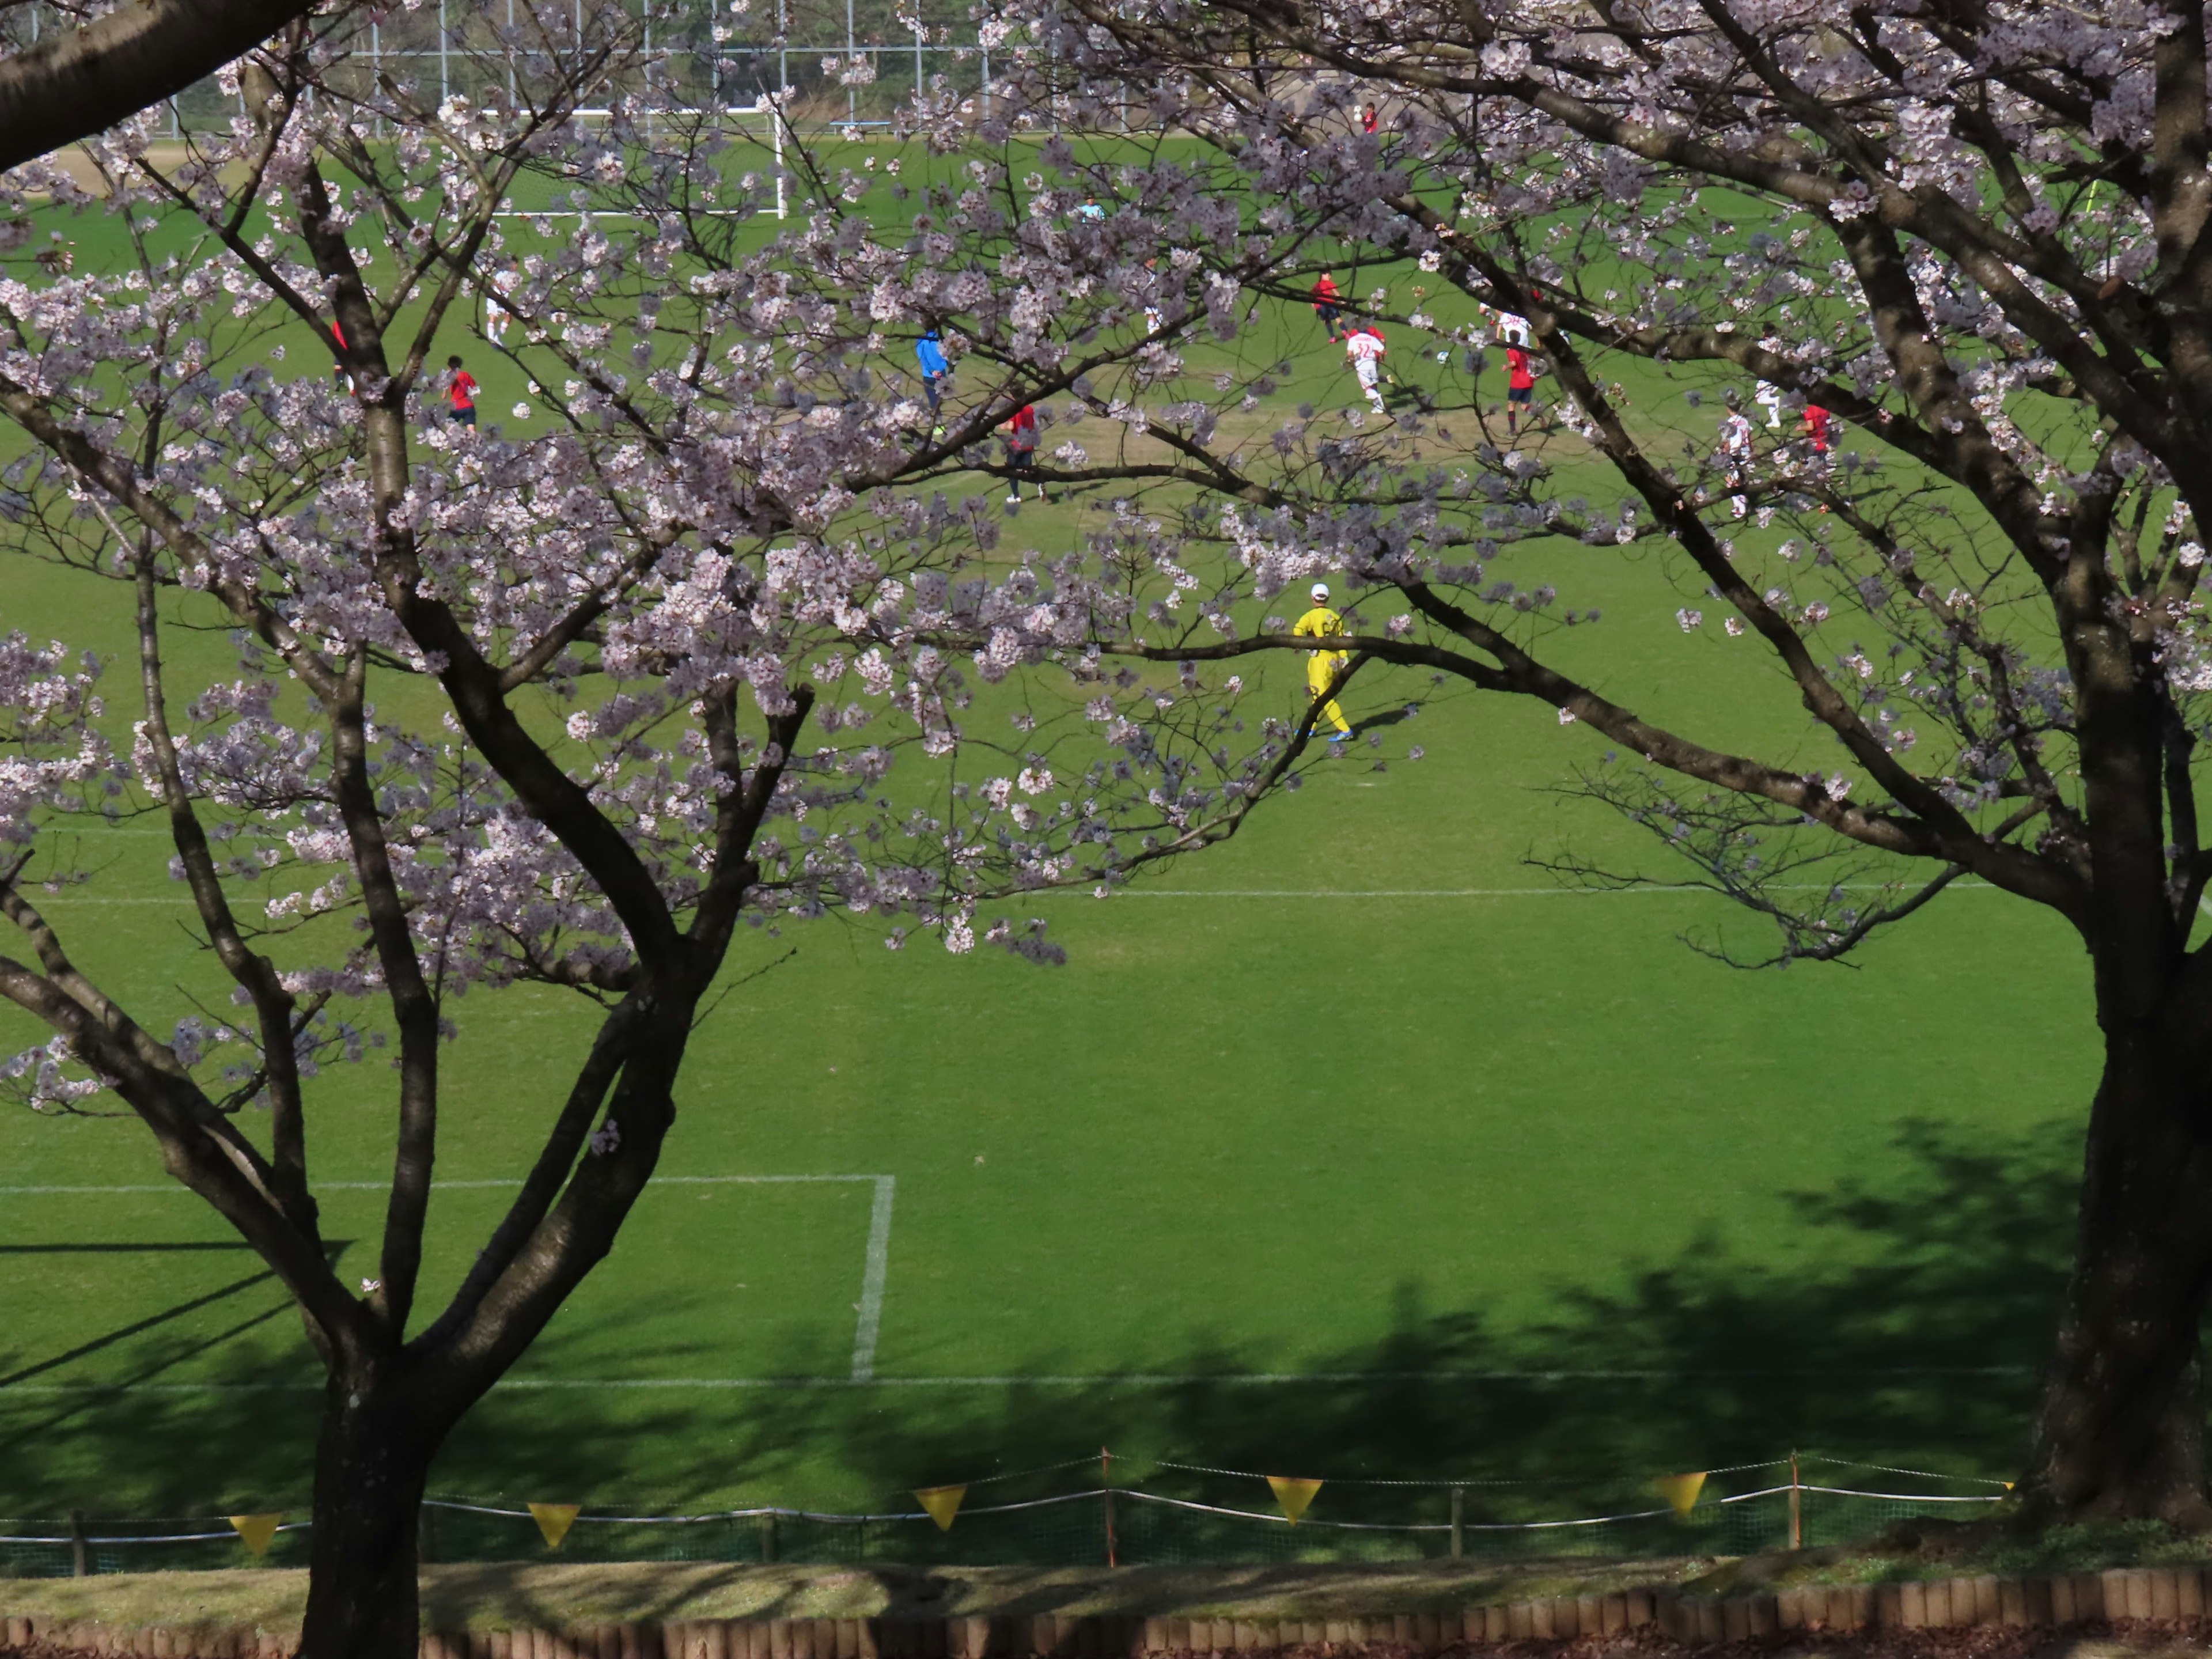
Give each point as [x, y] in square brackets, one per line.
[1319, 624]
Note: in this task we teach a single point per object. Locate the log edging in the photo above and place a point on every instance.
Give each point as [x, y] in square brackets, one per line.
[2130, 1594]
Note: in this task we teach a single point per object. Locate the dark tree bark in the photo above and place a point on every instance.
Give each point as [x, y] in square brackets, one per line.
[372, 1461]
[71, 85]
[2120, 1431]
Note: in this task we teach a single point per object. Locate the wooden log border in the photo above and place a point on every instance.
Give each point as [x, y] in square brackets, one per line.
[2152, 1594]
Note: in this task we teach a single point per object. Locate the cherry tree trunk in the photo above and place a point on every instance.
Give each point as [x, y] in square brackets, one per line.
[372, 1461]
[2120, 1431]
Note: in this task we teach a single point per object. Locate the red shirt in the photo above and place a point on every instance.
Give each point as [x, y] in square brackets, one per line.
[1517, 376]
[1816, 425]
[463, 390]
[1367, 122]
[1324, 293]
[1023, 427]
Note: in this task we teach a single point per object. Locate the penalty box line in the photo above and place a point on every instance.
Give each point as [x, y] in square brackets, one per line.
[867, 1328]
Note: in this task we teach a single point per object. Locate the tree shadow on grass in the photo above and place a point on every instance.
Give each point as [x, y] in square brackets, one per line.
[1911, 1333]
[1914, 1333]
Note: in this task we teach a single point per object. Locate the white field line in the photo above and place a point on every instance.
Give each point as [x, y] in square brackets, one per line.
[867, 1326]
[871, 1305]
[1103, 1379]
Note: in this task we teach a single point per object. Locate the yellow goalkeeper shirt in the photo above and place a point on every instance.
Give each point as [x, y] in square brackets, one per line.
[1320, 623]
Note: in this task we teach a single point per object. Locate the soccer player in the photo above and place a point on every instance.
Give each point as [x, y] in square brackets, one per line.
[504, 281]
[1363, 347]
[1818, 428]
[1021, 453]
[1369, 120]
[1520, 384]
[461, 393]
[1325, 306]
[1091, 211]
[1736, 454]
[1320, 623]
[1817, 421]
[1767, 395]
[929, 352]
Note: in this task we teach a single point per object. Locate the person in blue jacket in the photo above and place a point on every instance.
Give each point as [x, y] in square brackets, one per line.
[929, 351]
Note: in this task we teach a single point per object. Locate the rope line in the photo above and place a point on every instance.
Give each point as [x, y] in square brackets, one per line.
[1542, 1480]
[1891, 1468]
[1271, 1517]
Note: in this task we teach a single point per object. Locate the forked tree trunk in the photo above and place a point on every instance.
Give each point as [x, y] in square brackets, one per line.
[372, 1461]
[2120, 1432]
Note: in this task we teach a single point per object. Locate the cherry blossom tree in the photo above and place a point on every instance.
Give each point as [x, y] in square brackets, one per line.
[1975, 234]
[569, 696]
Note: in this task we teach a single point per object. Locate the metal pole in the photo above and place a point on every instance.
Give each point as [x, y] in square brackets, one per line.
[852, 92]
[987, 83]
[1106, 1480]
[445, 83]
[1458, 1521]
[917, 58]
[511, 99]
[80, 1549]
[1797, 1511]
[776, 132]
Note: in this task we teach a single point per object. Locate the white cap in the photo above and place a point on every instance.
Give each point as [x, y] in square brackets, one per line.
[1321, 589]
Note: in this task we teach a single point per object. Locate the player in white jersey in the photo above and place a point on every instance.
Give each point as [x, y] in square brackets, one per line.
[1363, 349]
[1736, 449]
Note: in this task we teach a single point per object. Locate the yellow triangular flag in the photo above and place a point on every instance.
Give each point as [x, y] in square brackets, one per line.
[1682, 1490]
[554, 1520]
[1293, 1495]
[941, 1502]
[257, 1529]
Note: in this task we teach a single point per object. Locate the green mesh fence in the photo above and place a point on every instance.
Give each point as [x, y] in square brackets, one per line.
[1213, 1520]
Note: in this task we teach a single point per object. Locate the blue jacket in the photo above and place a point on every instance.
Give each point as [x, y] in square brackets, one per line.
[931, 355]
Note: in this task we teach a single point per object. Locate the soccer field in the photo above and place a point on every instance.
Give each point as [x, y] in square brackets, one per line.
[1356, 1147]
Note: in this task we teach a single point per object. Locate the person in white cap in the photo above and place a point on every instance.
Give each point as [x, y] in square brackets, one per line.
[1318, 624]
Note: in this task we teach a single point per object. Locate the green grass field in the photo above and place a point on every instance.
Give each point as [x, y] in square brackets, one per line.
[1356, 1147]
